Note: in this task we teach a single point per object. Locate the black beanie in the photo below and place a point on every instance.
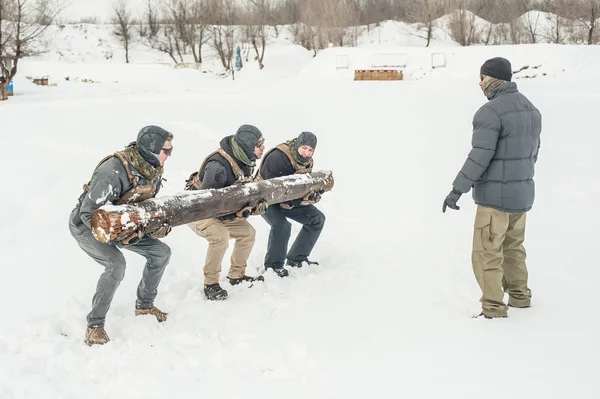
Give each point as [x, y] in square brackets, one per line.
[498, 67]
[247, 137]
[149, 142]
[306, 138]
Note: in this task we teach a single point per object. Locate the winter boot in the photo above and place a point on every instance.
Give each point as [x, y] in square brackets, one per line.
[95, 336]
[236, 281]
[489, 317]
[154, 311]
[281, 272]
[518, 306]
[293, 263]
[214, 292]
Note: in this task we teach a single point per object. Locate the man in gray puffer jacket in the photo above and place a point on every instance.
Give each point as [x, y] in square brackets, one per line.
[500, 168]
[128, 176]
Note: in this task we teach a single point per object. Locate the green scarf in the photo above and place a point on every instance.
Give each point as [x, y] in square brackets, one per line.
[239, 153]
[150, 173]
[299, 160]
[490, 84]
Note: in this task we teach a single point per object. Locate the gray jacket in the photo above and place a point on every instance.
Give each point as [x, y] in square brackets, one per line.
[108, 184]
[506, 142]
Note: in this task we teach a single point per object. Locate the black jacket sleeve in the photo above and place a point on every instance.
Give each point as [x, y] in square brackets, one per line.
[276, 164]
[215, 176]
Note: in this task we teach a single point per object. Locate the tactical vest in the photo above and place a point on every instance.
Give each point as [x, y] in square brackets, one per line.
[194, 182]
[285, 148]
[137, 193]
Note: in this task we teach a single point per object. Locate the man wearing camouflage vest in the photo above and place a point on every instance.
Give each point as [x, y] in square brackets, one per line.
[500, 168]
[233, 163]
[286, 159]
[131, 175]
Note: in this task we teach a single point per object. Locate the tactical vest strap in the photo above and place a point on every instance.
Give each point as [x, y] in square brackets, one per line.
[283, 147]
[297, 167]
[133, 180]
[136, 193]
[194, 181]
[237, 171]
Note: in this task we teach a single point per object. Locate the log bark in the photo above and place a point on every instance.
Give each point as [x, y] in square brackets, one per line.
[116, 222]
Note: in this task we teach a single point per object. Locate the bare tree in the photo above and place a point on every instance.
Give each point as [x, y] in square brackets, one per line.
[331, 21]
[150, 16]
[399, 10]
[22, 22]
[287, 12]
[223, 31]
[190, 18]
[312, 31]
[423, 13]
[586, 13]
[374, 11]
[463, 22]
[515, 13]
[122, 18]
[304, 35]
[530, 21]
[559, 13]
[162, 33]
[200, 18]
[257, 28]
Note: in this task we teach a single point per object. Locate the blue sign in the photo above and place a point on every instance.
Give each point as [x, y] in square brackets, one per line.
[238, 58]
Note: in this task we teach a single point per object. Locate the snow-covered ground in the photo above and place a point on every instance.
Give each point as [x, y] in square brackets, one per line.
[388, 311]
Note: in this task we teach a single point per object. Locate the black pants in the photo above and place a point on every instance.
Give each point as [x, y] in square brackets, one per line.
[312, 221]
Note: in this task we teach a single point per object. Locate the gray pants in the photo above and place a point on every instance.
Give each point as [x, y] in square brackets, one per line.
[157, 255]
[312, 220]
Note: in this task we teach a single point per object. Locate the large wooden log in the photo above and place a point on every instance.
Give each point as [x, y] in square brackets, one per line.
[116, 222]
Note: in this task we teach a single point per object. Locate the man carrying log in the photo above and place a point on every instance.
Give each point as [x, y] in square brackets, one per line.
[129, 176]
[233, 163]
[292, 157]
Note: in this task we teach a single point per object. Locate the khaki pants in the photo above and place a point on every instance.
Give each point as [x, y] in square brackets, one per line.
[499, 260]
[218, 232]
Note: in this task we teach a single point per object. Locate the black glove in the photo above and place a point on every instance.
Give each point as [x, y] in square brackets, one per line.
[162, 231]
[134, 237]
[231, 216]
[312, 198]
[451, 201]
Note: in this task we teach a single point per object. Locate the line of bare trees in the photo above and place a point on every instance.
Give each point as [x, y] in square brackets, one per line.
[184, 27]
[511, 22]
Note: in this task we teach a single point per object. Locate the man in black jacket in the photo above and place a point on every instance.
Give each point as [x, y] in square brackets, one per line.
[286, 159]
[232, 163]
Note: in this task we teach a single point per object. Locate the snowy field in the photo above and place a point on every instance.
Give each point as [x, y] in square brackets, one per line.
[388, 313]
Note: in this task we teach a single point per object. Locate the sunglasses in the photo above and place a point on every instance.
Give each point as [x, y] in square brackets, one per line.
[167, 151]
[260, 143]
[481, 77]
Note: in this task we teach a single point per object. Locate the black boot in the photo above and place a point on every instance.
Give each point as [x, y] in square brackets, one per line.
[214, 292]
[281, 272]
[293, 263]
[236, 281]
